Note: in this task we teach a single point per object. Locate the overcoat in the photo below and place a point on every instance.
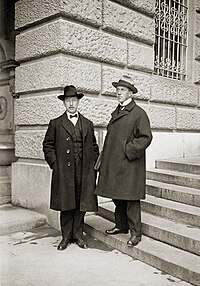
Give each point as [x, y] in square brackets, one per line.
[122, 172]
[59, 154]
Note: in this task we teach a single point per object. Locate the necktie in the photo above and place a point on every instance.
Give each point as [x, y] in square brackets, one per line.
[121, 108]
[75, 115]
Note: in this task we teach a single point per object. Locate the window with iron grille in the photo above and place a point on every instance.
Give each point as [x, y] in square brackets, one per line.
[171, 38]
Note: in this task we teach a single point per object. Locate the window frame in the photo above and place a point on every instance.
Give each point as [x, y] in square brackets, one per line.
[162, 67]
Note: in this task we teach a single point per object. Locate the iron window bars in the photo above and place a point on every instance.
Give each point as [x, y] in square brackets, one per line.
[171, 38]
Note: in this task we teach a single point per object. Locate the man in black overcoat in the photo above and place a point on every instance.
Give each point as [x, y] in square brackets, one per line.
[122, 171]
[70, 149]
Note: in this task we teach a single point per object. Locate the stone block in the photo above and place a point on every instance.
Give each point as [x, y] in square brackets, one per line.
[173, 92]
[29, 11]
[161, 117]
[56, 72]
[31, 183]
[98, 110]
[188, 119]
[140, 57]
[129, 23]
[71, 38]
[93, 44]
[83, 10]
[35, 42]
[39, 110]
[28, 144]
[145, 6]
[142, 82]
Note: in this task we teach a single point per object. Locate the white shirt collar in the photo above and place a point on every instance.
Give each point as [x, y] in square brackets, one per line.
[126, 102]
[68, 114]
[73, 119]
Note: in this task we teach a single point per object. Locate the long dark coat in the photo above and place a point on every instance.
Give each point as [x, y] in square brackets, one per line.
[123, 171]
[59, 154]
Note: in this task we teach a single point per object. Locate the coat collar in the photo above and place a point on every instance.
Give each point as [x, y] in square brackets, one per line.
[124, 112]
[66, 123]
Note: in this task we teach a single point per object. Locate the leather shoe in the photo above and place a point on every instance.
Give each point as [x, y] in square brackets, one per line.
[134, 240]
[81, 243]
[63, 244]
[116, 230]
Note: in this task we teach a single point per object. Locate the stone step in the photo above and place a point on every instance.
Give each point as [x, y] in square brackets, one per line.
[169, 259]
[175, 211]
[174, 177]
[5, 190]
[186, 165]
[176, 193]
[170, 232]
[14, 219]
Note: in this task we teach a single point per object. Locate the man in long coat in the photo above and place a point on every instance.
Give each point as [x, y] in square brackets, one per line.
[71, 151]
[122, 171]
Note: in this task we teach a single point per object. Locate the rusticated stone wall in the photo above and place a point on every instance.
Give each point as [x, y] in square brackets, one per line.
[197, 43]
[90, 44]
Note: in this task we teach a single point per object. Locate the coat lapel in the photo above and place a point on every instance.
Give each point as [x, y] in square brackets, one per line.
[66, 123]
[127, 109]
[84, 125]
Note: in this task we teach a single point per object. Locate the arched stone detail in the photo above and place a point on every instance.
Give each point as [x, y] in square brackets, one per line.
[3, 107]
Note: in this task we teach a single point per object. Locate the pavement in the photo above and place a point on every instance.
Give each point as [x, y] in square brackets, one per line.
[30, 258]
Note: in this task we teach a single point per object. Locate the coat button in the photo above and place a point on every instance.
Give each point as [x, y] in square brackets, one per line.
[68, 164]
[68, 151]
[68, 138]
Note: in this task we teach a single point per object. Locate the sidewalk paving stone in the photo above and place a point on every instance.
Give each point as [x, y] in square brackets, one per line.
[30, 258]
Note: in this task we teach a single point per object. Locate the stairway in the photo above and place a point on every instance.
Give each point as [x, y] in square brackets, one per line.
[170, 220]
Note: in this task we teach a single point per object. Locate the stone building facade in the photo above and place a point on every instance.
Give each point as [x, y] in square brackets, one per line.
[7, 69]
[90, 44]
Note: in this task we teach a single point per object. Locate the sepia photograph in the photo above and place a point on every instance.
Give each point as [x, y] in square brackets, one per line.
[99, 142]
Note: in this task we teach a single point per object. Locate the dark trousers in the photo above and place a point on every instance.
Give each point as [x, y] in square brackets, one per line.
[128, 216]
[72, 221]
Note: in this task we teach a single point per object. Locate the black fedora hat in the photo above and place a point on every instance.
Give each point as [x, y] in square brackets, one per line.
[127, 82]
[70, 91]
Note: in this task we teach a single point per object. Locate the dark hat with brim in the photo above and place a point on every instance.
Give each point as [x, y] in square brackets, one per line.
[70, 91]
[127, 82]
